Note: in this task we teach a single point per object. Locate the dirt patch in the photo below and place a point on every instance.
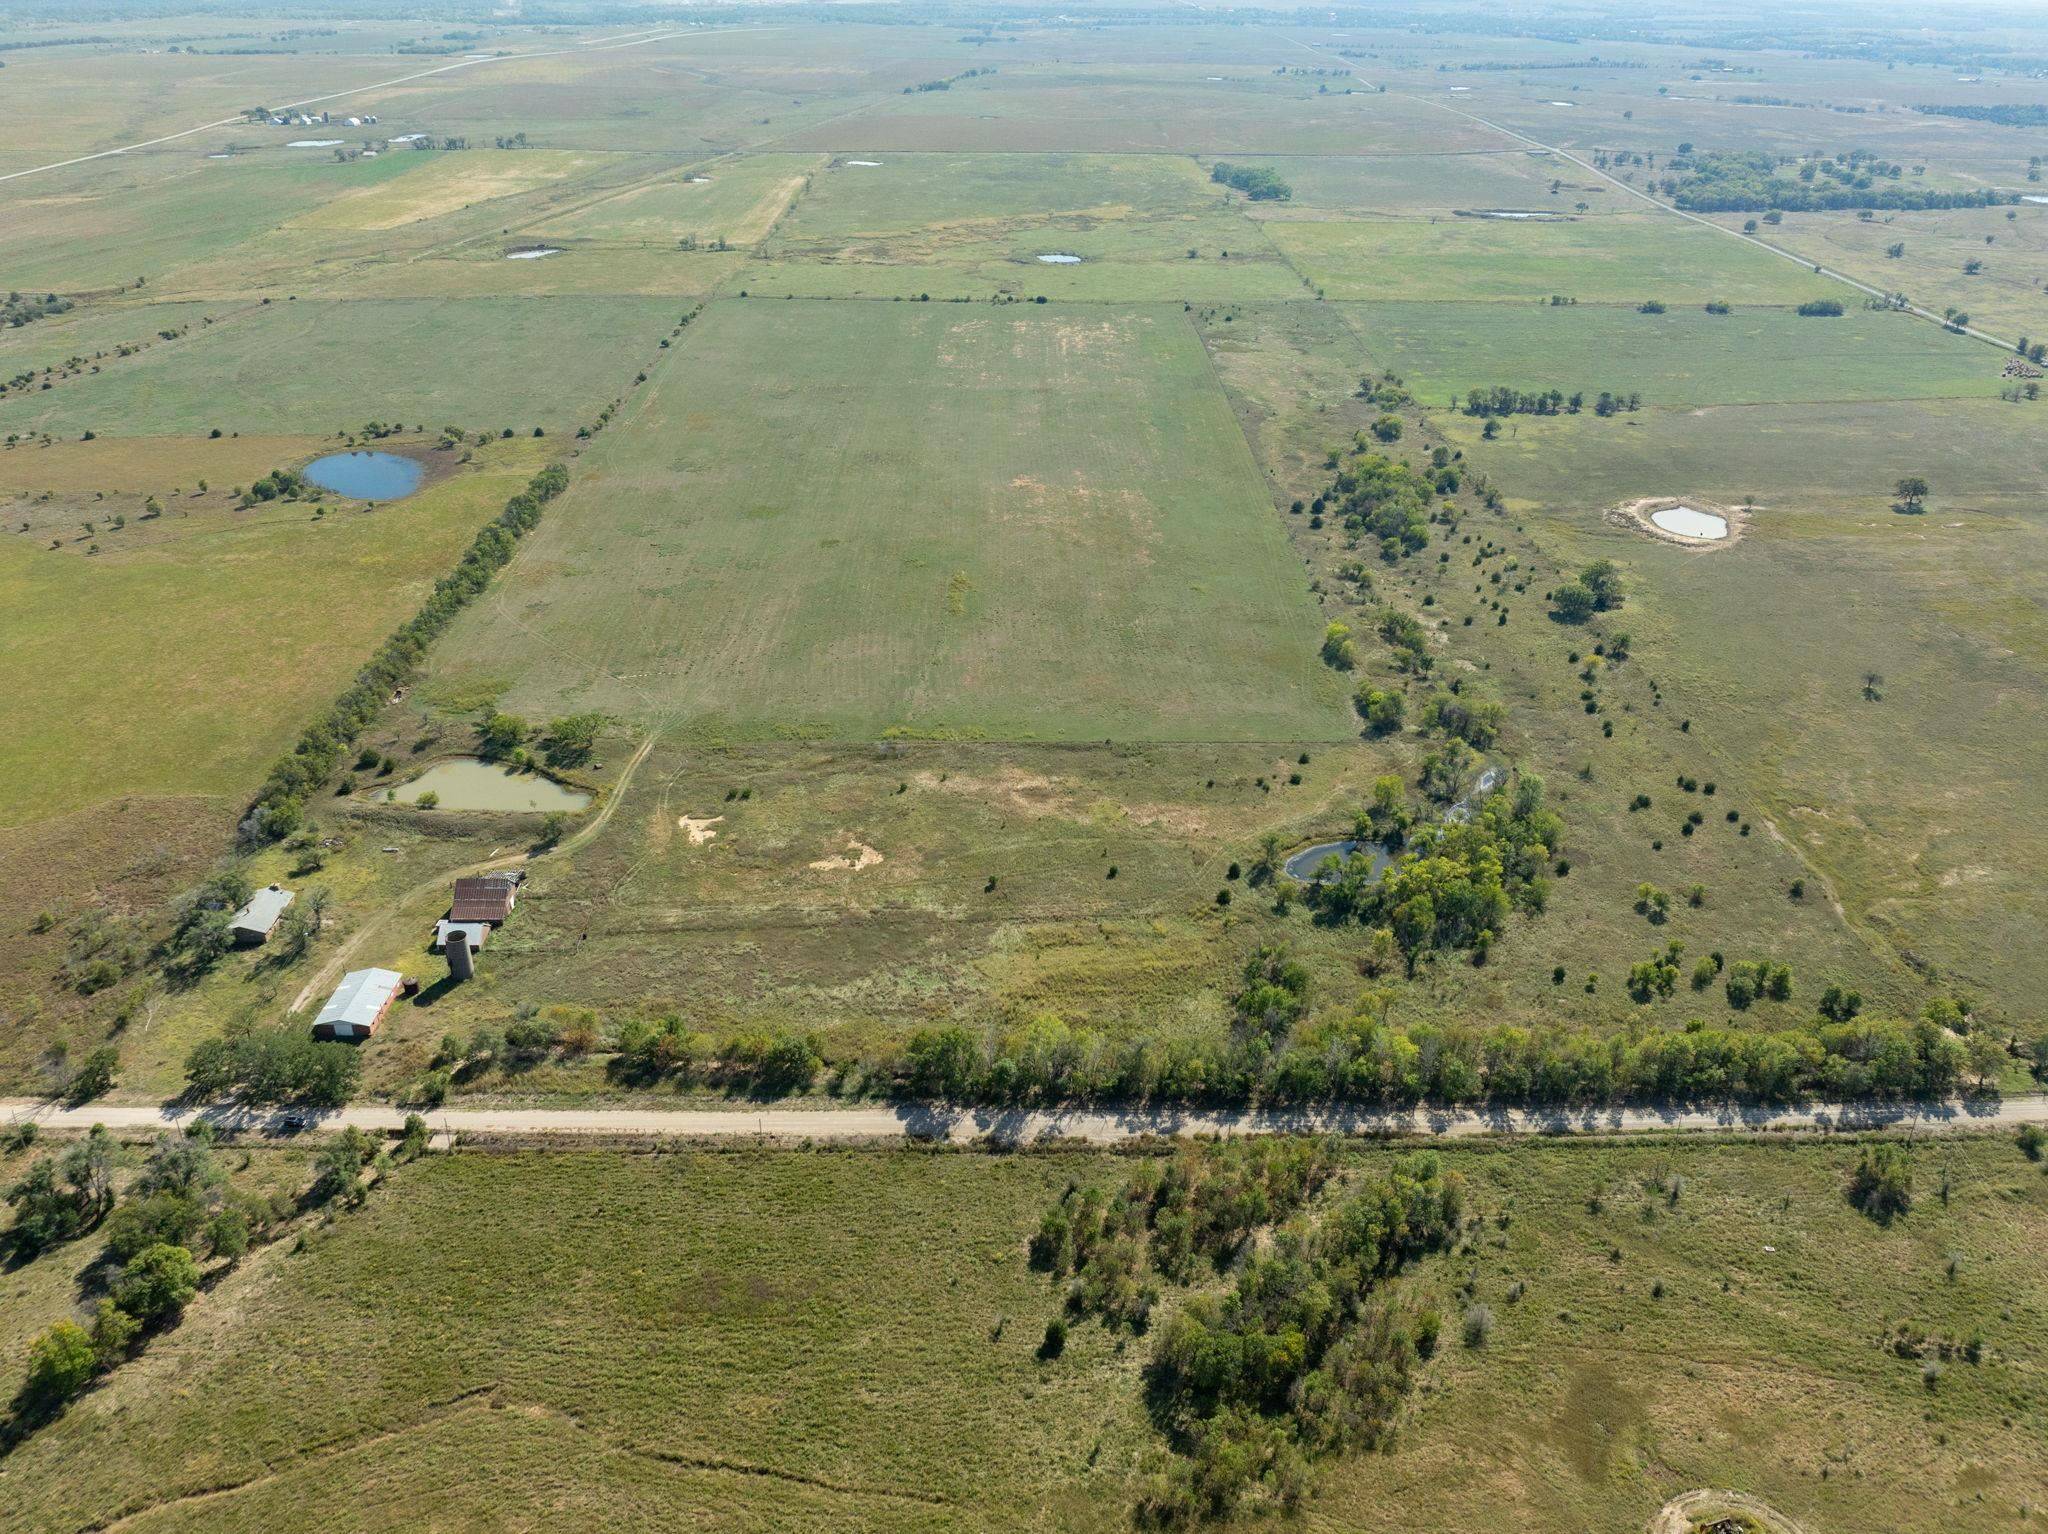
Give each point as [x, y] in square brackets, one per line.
[858, 855]
[699, 827]
[1720, 1512]
[1637, 516]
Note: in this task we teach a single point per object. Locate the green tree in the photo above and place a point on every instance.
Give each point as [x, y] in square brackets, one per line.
[60, 1362]
[157, 1282]
[1573, 602]
[1882, 1183]
[113, 1333]
[1913, 492]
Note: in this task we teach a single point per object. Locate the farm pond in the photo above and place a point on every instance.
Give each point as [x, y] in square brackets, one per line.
[468, 783]
[366, 476]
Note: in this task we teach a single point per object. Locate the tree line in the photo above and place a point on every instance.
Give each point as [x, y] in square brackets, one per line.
[1752, 180]
[279, 806]
[1260, 183]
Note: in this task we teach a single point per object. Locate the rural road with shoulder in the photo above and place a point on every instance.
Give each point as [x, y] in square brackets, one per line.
[1091, 1126]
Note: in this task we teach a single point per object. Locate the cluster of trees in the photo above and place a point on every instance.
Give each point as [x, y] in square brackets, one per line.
[1384, 499]
[278, 485]
[1598, 589]
[279, 807]
[1459, 879]
[178, 1205]
[1754, 180]
[273, 1065]
[1501, 400]
[1260, 183]
[1303, 1356]
[25, 309]
[1821, 308]
[948, 83]
[668, 1049]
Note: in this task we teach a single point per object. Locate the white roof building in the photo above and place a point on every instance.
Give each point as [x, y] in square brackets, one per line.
[255, 922]
[358, 1004]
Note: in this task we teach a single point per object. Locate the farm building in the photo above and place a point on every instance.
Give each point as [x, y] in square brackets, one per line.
[358, 1004]
[486, 897]
[474, 932]
[253, 924]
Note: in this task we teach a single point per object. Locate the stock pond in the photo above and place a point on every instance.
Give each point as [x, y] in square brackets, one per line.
[466, 783]
[366, 476]
[1689, 522]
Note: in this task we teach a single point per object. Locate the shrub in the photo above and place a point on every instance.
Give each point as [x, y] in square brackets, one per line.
[157, 1282]
[60, 1362]
[1882, 1183]
[1478, 1326]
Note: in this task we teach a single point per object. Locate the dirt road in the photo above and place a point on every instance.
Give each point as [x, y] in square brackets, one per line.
[1092, 1126]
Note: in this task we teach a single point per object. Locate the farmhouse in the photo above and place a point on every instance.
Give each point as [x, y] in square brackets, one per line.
[485, 898]
[253, 924]
[358, 1004]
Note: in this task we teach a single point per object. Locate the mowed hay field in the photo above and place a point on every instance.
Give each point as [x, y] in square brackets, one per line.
[847, 1340]
[1618, 260]
[737, 200]
[1683, 357]
[842, 520]
[316, 367]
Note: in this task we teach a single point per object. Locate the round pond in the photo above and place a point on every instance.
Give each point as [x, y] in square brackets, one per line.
[366, 476]
[1060, 258]
[1688, 522]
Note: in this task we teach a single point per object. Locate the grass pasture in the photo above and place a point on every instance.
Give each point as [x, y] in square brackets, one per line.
[783, 536]
[1682, 358]
[737, 200]
[612, 1354]
[315, 367]
[435, 185]
[1619, 260]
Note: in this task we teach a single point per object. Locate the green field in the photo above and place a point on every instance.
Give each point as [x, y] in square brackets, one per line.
[1682, 358]
[735, 200]
[316, 367]
[1595, 261]
[846, 1340]
[894, 518]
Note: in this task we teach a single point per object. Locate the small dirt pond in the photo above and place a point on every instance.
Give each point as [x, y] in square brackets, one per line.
[467, 783]
[1688, 522]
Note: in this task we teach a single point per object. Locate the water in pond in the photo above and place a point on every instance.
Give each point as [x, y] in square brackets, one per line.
[870, 164]
[2031, 198]
[366, 476]
[469, 784]
[1688, 523]
[1307, 864]
[313, 143]
[1061, 258]
[534, 255]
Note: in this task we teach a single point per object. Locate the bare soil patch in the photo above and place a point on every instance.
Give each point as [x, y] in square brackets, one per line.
[1638, 514]
[1720, 1512]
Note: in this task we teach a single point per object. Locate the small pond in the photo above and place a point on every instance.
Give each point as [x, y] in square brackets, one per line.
[1060, 258]
[2031, 198]
[313, 143]
[1690, 523]
[469, 784]
[535, 254]
[1306, 864]
[870, 164]
[366, 476]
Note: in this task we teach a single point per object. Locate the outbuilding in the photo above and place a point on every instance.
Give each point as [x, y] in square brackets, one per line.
[358, 1004]
[485, 897]
[473, 932]
[253, 924]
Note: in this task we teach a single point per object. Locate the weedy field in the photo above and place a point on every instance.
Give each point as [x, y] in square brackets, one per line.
[1658, 1318]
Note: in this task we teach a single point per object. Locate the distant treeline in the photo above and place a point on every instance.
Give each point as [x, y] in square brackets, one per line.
[947, 83]
[2005, 116]
[1753, 180]
[1503, 400]
[280, 807]
[1258, 182]
[1519, 66]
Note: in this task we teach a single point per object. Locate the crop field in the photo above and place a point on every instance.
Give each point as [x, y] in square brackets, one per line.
[1435, 182]
[1621, 260]
[674, 584]
[315, 367]
[1682, 358]
[439, 184]
[612, 1354]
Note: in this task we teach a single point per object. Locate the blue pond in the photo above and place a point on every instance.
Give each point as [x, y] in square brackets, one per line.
[366, 476]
